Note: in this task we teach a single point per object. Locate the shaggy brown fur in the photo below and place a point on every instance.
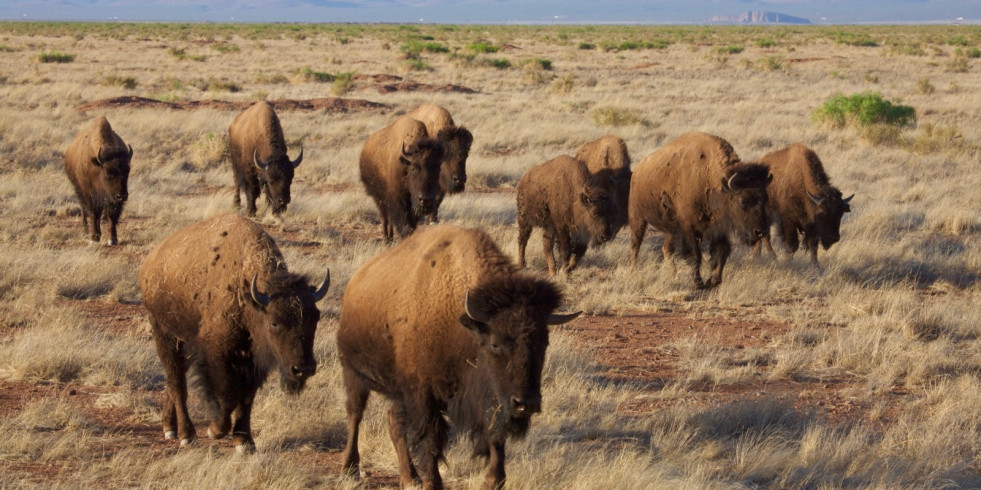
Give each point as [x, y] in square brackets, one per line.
[608, 160]
[97, 163]
[696, 189]
[400, 167]
[569, 205]
[411, 337]
[258, 153]
[802, 201]
[197, 289]
[456, 143]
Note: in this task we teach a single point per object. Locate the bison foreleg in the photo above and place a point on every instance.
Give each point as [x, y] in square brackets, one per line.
[578, 250]
[175, 419]
[548, 246]
[495, 467]
[95, 233]
[719, 250]
[692, 251]
[357, 400]
[408, 475]
[242, 432]
[638, 228]
[565, 251]
[112, 214]
[524, 232]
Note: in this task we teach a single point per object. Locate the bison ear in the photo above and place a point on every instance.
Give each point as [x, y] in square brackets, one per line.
[466, 137]
[470, 323]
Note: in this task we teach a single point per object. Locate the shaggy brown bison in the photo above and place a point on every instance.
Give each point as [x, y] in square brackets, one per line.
[608, 160]
[258, 153]
[444, 323]
[569, 205]
[97, 164]
[400, 167]
[696, 189]
[220, 299]
[802, 201]
[456, 145]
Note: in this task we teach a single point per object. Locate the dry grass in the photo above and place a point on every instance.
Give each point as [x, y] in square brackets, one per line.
[894, 305]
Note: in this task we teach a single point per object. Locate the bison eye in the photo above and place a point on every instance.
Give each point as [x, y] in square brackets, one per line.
[274, 326]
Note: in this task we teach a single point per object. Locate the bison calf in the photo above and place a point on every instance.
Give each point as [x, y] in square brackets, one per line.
[97, 163]
[220, 299]
[456, 145]
[696, 189]
[802, 201]
[400, 167]
[569, 205]
[443, 323]
[259, 161]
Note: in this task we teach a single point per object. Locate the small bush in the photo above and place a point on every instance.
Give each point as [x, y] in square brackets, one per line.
[208, 151]
[863, 110]
[973, 53]
[225, 48]
[413, 49]
[416, 64]
[770, 63]
[564, 85]
[128, 83]
[308, 75]
[730, 49]
[55, 57]
[179, 53]
[613, 116]
[537, 64]
[958, 64]
[499, 63]
[924, 86]
[483, 48]
[343, 82]
[587, 46]
[936, 139]
[766, 43]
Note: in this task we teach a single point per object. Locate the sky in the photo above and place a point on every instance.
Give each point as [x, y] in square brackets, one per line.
[491, 11]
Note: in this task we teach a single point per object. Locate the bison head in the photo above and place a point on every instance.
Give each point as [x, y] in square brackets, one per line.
[828, 209]
[596, 211]
[456, 144]
[115, 172]
[745, 185]
[510, 317]
[290, 314]
[421, 161]
[276, 174]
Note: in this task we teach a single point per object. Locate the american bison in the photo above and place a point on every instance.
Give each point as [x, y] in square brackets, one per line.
[608, 160]
[444, 323]
[220, 299]
[569, 205]
[259, 161]
[696, 189]
[802, 201]
[97, 163]
[456, 145]
[400, 167]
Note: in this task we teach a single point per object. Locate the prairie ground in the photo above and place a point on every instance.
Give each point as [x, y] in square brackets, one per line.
[863, 372]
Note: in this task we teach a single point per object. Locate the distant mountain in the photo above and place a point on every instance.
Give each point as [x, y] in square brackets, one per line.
[758, 17]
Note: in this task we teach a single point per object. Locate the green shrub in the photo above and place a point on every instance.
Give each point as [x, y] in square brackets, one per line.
[587, 46]
[114, 80]
[413, 49]
[179, 53]
[309, 75]
[730, 49]
[924, 86]
[343, 81]
[766, 43]
[863, 110]
[416, 64]
[55, 57]
[770, 63]
[855, 39]
[225, 48]
[613, 116]
[537, 64]
[973, 53]
[499, 63]
[483, 48]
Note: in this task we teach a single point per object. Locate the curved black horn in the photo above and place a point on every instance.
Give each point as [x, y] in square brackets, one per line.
[731, 180]
[255, 158]
[473, 312]
[98, 157]
[560, 318]
[322, 290]
[817, 200]
[299, 158]
[129, 154]
[258, 297]
[849, 198]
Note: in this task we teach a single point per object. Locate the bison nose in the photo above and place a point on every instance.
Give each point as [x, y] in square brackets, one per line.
[122, 196]
[303, 370]
[426, 203]
[761, 233]
[524, 407]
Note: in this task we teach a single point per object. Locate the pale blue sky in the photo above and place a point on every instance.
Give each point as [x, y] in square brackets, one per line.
[490, 11]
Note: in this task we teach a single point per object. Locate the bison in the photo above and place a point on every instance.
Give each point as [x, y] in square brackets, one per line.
[258, 153]
[802, 201]
[608, 160]
[456, 144]
[220, 299]
[400, 167]
[444, 323]
[569, 205]
[97, 163]
[696, 189]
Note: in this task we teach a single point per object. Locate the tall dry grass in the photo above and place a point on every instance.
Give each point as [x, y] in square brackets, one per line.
[894, 304]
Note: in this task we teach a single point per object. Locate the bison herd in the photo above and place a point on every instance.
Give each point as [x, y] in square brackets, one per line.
[457, 337]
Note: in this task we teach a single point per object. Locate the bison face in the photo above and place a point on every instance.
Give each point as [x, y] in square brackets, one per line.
[512, 348]
[745, 187]
[453, 173]
[115, 174]
[291, 316]
[277, 176]
[828, 210]
[598, 214]
[421, 161]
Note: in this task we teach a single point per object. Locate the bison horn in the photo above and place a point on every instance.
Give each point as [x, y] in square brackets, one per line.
[817, 200]
[98, 157]
[729, 183]
[299, 158]
[849, 198]
[322, 290]
[255, 158]
[473, 312]
[130, 151]
[259, 298]
[560, 318]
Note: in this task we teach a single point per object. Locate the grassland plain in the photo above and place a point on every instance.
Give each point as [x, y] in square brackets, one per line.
[863, 373]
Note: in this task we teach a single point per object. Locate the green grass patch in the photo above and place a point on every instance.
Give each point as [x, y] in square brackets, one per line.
[766, 43]
[128, 83]
[55, 57]
[483, 48]
[537, 64]
[863, 110]
[414, 48]
[343, 82]
[730, 49]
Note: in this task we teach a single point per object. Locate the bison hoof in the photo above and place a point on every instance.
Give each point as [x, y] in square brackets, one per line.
[112, 242]
[170, 435]
[185, 442]
[245, 448]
